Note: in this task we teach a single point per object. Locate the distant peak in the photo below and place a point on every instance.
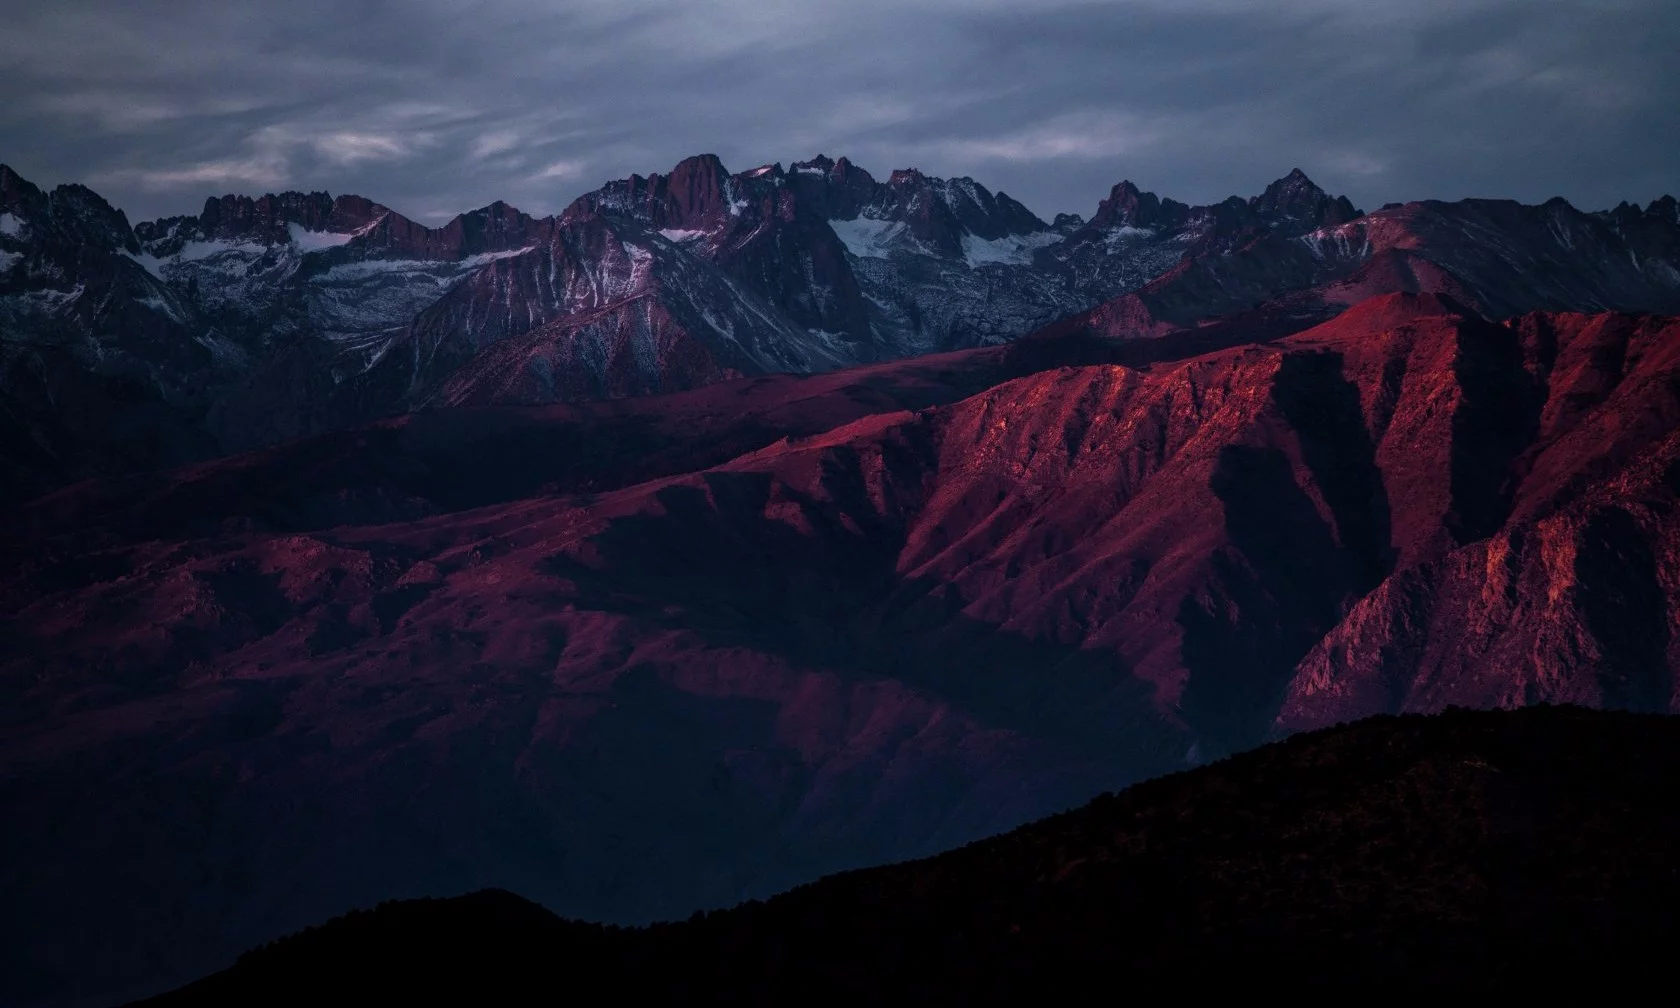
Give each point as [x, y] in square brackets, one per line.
[499, 212]
[702, 164]
[848, 173]
[1295, 182]
[1128, 206]
[1298, 197]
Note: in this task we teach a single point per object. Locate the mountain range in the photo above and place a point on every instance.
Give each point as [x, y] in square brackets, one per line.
[134, 347]
[724, 531]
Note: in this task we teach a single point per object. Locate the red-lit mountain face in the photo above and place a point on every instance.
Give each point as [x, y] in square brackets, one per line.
[865, 642]
[1566, 585]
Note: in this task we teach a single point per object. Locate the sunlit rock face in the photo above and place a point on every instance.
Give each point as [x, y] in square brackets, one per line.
[829, 621]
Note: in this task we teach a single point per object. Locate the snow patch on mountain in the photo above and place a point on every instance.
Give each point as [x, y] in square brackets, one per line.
[353, 271]
[226, 354]
[163, 307]
[868, 238]
[443, 272]
[1014, 250]
[614, 283]
[834, 345]
[11, 225]
[148, 262]
[679, 235]
[197, 251]
[1126, 234]
[8, 260]
[54, 300]
[315, 241]
[484, 258]
[1348, 241]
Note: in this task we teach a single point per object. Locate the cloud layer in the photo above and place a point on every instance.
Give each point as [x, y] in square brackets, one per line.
[437, 106]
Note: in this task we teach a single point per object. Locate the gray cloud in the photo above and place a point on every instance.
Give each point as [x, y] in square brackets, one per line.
[435, 106]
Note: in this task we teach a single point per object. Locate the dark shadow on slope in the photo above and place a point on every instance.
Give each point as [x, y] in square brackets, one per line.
[1324, 409]
[1626, 608]
[828, 596]
[1497, 417]
[1072, 343]
[1275, 591]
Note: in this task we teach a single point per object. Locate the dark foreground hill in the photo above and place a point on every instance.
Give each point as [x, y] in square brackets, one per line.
[1466, 850]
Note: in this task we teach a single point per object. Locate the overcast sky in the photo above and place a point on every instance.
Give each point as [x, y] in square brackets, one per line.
[438, 106]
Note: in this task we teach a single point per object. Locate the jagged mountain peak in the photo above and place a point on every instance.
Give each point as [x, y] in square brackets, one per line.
[840, 171]
[906, 177]
[265, 218]
[702, 176]
[1297, 197]
[846, 166]
[704, 163]
[1128, 206]
[15, 189]
[694, 195]
[71, 210]
[1295, 183]
[499, 213]
[69, 217]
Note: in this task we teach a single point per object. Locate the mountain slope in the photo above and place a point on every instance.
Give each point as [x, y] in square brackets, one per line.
[1510, 851]
[863, 643]
[99, 365]
[1570, 584]
[447, 460]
